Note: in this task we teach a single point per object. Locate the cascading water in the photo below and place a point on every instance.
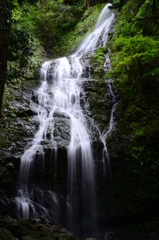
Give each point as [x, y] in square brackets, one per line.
[60, 95]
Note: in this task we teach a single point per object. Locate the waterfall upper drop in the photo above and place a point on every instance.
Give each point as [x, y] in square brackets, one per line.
[99, 36]
[59, 103]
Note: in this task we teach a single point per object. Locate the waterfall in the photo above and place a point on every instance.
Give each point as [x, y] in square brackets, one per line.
[59, 96]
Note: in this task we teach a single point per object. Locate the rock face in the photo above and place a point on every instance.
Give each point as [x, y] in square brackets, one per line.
[37, 228]
[62, 128]
[20, 124]
[17, 129]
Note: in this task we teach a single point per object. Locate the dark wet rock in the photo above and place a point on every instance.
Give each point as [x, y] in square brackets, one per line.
[62, 128]
[22, 100]
[35, 97]
[22, 109]
[50, 72]
[85, 63]
[85, 59]
[20, 124]
[58, 134]
[27, 230]
[106, 62]
[21, 132]
[34, 103]
[17, 129]
[60, 114]
[8, 171]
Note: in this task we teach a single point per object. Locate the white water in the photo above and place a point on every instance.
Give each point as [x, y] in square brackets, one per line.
[99, 36]
[60, 92]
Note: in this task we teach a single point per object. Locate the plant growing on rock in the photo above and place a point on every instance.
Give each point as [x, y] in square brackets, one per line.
[97, 62]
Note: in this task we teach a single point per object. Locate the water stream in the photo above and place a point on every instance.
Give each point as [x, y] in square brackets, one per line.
[60, 96]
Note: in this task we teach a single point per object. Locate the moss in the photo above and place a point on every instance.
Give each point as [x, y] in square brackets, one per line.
[97, 63]
[5, 234]
[99, 106]
[25, 228]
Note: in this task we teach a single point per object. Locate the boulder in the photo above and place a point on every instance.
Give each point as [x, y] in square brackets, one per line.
[90, 239]
[5, 234]
[33, 229]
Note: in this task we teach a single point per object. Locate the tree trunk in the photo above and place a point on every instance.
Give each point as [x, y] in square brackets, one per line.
[5, 23]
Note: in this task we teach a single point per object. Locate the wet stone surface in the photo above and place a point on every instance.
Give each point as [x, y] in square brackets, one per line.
[62, 128]
[37, 228]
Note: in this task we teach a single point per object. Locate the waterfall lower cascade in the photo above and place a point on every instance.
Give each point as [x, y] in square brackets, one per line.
[59, 102]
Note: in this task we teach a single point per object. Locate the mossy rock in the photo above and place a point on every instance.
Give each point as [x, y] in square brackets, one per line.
[27, 230]
[5, 234]
[27, 238]
[19, 228]
[46, 238]
[97, 63]
[99, 106]
[90, 239]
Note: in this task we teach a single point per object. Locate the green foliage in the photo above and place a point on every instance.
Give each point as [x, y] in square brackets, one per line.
[134, 67]
[149, 11]
[69, 41]
[10, 165]
[48, 20]
[138, 58]
[24, 58]
[37, 24]
[58, 19]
